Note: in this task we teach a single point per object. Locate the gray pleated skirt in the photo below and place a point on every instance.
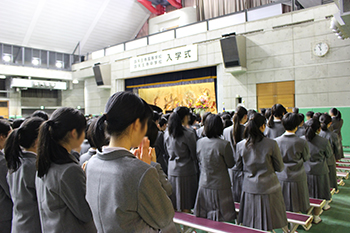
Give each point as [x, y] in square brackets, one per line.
[333, 180]
[263, 211]
[184, 191]
[319, 186]
[296, 195]
[215, 205]
[236, 183]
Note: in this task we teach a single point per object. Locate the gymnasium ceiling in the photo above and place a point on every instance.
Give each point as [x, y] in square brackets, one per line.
[59, 25]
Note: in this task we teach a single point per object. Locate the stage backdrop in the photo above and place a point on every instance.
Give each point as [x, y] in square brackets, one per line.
[184, 88]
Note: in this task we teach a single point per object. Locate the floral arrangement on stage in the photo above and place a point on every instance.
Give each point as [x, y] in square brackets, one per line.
[202, 104]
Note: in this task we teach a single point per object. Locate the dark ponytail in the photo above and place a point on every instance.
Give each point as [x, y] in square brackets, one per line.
[122, 109]
[325, 119]
[277, 110]
[252, 130]
[312, 126]
[175, 121]
[25, 137]
[335, 112]
[52, 133]
[239, 114]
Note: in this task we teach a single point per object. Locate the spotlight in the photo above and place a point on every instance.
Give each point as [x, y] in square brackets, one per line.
[59, 64]
[36, 61]
[7, 57]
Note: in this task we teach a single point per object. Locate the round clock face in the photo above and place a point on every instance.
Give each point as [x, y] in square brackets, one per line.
[321, 49]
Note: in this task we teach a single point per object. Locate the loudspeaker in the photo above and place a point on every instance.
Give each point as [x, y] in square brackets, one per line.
[229, 51]
[98, 75]
[102, 73]
[233, 49]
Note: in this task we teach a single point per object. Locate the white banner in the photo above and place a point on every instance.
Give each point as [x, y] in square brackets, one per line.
[164, 58]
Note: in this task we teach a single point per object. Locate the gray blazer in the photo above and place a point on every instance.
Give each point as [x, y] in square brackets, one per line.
[276, 131]
[336, 127]
[85, 157]
[215, 155]
[334, 141]
[320, 151]
[300, 131]
[163, 179]
[5, 197]
[25, 205]
[125, 194]
[228, 135]
[61, 199]
[199, 132]
[182, 153]
[295, 151]
[259, 164]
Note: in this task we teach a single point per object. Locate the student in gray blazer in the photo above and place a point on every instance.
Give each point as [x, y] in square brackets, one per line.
[259, 158]
[316, 167]
[294, 151]
[5, 197]
[60, 181]
[180, 144]
[274, 127]
[214, 197]
[234, 134]
[326, 122]
[337, 124]
[124, 190]
[21, 175]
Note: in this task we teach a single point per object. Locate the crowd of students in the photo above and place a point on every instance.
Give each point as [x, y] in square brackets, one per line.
[136, 167]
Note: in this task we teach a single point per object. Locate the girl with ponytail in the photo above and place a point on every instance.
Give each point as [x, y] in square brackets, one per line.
[60, 182]
[234, 134]
[5, 197]
[180, 144]
[326, 122]
[294, 151]
[337, 124]
[274, 127]
[123, 189]
[316, 167]
[20, 154]
[261, 190]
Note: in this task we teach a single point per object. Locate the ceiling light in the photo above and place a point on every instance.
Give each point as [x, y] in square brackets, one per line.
[59, 64]
[75, 81]
[7, 57]
[2, 76]
[36, 61]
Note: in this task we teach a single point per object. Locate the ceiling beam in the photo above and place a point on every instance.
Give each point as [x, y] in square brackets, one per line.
[93, 24]
[33, 22]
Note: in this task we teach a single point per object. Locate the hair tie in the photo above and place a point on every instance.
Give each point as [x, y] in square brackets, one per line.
[50, 123]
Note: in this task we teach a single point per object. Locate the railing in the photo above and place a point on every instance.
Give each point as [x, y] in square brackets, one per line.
[31, 57]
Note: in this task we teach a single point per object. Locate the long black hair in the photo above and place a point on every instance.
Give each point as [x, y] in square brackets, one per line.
[24, 136]
[252, 130]
[277, 110]
[175, 121]
[213, 126]
[290, 121]
[122, 109]
[52, 133]
[312, 126]
[5, 127]
[335, 112]
[325, 119]
[237, 118]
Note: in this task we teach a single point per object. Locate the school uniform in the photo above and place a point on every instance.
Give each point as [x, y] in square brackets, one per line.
[162, 157]
[125, 194]
[182, 168]
[294, 151]
[336, 127]
[316, 168]
[61, 199]
[87, 156]
[22, 188]
[276, 131]
[84, 147]
[200, 132]
[300, 131]
[236, 175]
[5, 198]
[334, 141]
[163, 179]
[214, 198]
[262, 204]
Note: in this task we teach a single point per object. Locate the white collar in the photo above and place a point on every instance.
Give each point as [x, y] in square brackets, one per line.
[108, 149]
[287, 133]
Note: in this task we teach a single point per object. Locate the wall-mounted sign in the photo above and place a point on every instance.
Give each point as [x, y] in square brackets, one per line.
[164, 58]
